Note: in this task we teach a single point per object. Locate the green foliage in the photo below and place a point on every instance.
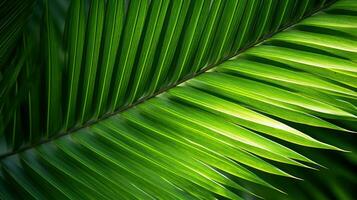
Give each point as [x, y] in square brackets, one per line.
[89, 59]
[251, 126]
[13, 17]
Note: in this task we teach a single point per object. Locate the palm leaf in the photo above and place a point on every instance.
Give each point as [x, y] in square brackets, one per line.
[206, 125]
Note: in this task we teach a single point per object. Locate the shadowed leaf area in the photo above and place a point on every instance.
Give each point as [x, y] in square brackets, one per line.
[164, 99]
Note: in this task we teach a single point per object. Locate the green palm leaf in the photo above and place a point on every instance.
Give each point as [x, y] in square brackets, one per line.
[180, 100]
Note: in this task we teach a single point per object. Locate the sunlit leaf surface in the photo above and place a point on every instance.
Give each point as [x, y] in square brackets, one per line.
[123, 106]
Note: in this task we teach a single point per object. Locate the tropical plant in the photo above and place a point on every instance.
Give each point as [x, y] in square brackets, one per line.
[169, 99]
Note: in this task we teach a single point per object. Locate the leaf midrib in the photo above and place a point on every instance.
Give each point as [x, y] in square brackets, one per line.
[164, 89]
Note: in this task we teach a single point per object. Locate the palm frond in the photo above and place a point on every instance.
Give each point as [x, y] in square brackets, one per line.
[87, 60]
[274, 110]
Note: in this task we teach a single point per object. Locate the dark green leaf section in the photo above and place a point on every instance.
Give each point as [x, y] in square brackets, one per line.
[89, 59]
[271, 111]
[14, 15]
[27, 85]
